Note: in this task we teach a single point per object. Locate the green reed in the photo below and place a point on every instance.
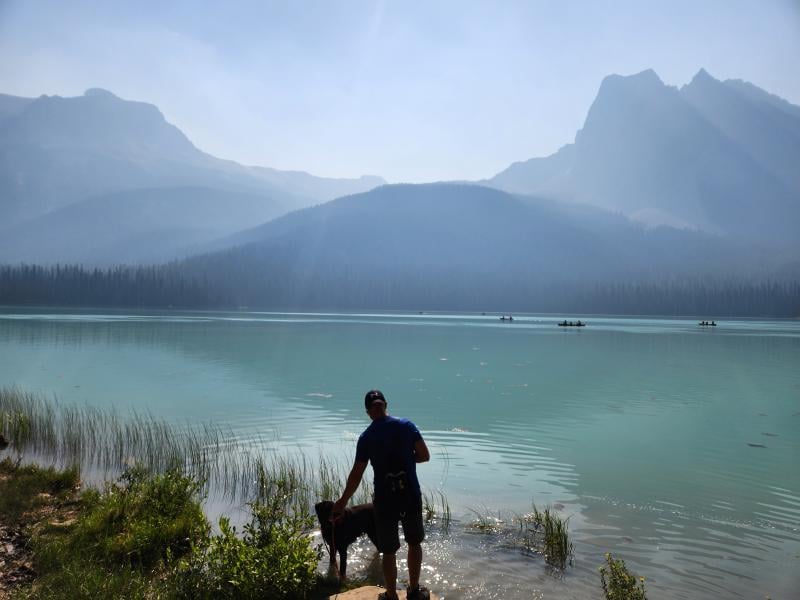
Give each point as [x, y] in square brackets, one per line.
[540, 533]
[487, 523]
[436, 509]
[546, 533]
[102, 443]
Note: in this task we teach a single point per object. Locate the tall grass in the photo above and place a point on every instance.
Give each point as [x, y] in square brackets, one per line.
[436, 509]
[103, 444]
[546, 533]
[541, 533]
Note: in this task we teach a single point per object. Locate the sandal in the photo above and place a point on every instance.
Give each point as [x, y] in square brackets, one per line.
[418, 593]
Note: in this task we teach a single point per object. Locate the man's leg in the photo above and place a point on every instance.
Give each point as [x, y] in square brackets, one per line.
[414, 531]
[414, 564]
[390, 574]
[388, 542]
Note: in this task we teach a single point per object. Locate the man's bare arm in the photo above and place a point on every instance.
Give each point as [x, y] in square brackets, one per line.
[421, 452]
[353, 481]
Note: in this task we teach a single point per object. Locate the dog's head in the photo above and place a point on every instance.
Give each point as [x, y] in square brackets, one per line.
[323, 510]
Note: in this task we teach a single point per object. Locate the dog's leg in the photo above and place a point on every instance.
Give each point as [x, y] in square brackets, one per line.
[343, 564]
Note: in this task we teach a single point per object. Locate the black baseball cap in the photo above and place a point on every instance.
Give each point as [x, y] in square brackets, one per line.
[373, 396]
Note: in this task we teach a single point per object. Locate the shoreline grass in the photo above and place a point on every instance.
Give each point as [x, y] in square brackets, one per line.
[146, 453]
[101, 444]
[151, 461]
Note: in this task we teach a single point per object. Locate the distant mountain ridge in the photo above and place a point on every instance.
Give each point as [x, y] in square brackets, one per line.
[717, 156]
[142, 225]
[439, 246]
[709, 169]
[60, 152]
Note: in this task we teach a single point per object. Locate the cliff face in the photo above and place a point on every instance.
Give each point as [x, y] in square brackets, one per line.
[708, 156]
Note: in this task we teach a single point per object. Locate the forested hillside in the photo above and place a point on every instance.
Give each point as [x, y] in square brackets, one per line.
[400, 248]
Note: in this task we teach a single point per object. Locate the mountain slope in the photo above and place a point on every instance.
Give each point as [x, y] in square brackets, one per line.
[445, 245]
[148, 225]
[11, 105]
[56, 152]
[767, 131]
[707, 157]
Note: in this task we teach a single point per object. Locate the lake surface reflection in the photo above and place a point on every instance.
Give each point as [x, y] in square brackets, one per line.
[674, 446]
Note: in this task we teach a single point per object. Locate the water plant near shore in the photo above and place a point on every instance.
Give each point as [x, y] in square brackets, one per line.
[619, 583]
[545, 532]
[103, 444]
[486, 523]
[436, 509]
[539, 533]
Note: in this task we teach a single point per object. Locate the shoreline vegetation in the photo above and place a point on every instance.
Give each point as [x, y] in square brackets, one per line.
[138, 529]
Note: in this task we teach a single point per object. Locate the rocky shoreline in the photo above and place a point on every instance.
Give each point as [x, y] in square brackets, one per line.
[16, 560]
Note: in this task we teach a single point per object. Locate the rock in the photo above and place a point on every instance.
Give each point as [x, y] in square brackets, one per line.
[369, 592]
[65, 523]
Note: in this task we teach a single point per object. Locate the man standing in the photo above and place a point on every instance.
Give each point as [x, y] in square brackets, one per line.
[394, 447]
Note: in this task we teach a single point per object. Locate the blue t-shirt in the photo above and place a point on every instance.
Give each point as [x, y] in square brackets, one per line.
[388, 444]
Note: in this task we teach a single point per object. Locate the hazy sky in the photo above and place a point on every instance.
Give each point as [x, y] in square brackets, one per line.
[410, 90]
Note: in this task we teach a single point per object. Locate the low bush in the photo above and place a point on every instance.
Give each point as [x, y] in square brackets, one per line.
[274, 557]
[618, 583]
[142, 520]
[121, 539]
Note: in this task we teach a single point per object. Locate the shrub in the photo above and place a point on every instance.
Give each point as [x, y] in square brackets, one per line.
[273, 559]
[618, 583]
[140, 521]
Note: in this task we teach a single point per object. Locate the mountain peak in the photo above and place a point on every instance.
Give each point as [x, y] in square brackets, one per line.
[702, 77]
[648, 75]
[616, 87]
[618, 91]
[643, 79]
[96, 92]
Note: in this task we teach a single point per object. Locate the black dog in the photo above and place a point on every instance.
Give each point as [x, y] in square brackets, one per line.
[356, 521]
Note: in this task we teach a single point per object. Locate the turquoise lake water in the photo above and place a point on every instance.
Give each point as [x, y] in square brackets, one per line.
[673, 446]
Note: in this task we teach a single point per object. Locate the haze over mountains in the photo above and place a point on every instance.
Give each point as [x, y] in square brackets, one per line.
[659, 184]
[93, 178]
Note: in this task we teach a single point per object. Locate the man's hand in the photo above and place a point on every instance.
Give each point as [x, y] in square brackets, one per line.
[421, 452]
[353, 479]
[337, 512]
